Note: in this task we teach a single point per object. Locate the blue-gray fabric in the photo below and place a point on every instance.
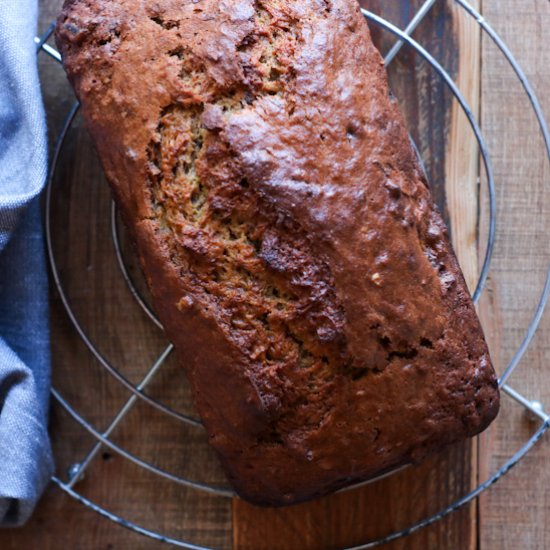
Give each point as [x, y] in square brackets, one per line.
[25, 456]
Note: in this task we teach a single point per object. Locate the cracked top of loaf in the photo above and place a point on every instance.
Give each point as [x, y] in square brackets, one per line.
[287, 234]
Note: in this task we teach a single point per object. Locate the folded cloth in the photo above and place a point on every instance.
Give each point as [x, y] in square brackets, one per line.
[25, 455]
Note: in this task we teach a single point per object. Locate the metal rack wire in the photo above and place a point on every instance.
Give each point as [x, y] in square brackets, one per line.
[138, 392]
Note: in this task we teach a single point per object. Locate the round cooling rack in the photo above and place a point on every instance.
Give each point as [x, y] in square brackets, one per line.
[138, 391]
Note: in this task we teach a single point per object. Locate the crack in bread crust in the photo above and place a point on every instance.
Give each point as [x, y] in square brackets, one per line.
[253, 266]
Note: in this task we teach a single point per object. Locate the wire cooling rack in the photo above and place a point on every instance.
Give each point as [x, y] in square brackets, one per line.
[137, 392]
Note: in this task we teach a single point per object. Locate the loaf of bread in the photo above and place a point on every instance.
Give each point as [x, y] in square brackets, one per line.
[287, 234]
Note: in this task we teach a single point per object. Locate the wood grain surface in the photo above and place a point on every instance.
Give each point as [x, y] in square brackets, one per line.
[512, 515]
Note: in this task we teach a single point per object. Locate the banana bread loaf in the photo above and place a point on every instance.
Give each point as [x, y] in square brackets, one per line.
[288, 237]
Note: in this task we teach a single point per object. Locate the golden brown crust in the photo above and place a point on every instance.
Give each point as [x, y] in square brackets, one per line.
[289, 240]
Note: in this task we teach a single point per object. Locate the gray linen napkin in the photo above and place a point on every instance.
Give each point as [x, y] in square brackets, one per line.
[25, 455]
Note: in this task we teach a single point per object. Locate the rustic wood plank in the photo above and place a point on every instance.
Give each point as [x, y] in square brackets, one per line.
[441, 132]
[462, 187]
[514, 513]
[462, 157]
[369, 513]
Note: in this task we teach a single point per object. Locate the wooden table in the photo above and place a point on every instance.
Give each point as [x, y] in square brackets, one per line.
[512, 515]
